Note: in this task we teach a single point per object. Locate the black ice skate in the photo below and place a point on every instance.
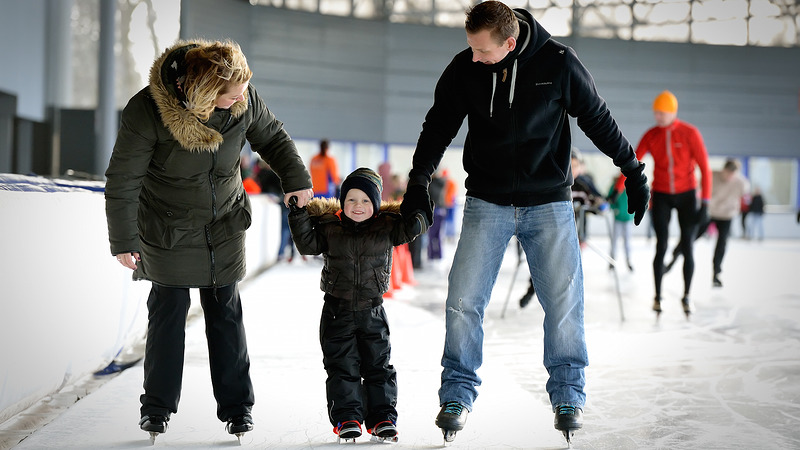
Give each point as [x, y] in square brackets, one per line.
[657, 306]
[451, 419]
[567, 420]
[347, 431]
[239, 425]
[154, 425]
[385, 431]
[687, 306]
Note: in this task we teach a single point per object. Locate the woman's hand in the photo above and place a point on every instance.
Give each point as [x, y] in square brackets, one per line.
[303, 197]
[129, 259]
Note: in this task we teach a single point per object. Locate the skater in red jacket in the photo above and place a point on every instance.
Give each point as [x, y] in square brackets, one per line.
[676, 147]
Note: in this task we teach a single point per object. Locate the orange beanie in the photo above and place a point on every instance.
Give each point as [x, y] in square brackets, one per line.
[665, 102]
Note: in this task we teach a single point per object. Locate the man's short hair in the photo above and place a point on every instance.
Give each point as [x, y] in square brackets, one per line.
[731, 165]
[494, 16]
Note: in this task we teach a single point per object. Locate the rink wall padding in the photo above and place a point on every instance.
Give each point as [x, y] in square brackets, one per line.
[67, 308]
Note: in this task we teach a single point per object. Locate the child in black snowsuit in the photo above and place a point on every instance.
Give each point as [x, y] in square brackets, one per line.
[356, 242]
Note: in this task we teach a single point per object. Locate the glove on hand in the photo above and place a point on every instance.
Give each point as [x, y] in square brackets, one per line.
[638, 192]
[702, 214]
[416, 199]
[417, 223]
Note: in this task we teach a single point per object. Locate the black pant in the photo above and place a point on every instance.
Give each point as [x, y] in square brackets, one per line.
[723, 231]
[355, 346]
[227, 350]
[686, 205]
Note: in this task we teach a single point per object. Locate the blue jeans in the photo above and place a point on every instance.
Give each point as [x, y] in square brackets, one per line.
[548, 236]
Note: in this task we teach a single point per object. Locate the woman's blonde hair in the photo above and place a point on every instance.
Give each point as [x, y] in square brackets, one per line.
[212, 69]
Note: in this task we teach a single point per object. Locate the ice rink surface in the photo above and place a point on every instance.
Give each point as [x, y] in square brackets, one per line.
[729, 378]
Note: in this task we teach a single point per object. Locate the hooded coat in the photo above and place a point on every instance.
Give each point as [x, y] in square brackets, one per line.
[357, 256]
[174, 190]
[518, 144]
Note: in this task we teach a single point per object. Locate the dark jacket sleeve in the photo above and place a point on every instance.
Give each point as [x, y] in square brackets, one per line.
[593, 116]
[306, 237]
[129, 162]
[268, 138]
[441, 126]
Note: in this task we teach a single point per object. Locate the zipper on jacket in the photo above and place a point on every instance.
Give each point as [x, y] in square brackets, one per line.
[515, 179]
[209, 241]
[212, 257]
[357, 274]
[671, 161]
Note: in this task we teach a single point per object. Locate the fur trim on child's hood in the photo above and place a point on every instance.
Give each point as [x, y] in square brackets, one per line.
[319, 206]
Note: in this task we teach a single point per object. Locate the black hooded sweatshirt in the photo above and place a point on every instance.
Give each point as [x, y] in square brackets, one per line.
[518, 144]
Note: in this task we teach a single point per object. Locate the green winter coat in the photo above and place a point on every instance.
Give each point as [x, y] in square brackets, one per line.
[174, 190]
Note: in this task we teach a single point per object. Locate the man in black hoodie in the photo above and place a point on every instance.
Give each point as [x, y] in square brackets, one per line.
[516, 86]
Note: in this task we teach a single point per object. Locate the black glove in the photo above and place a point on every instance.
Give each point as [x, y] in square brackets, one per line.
[638, 192]
[293, 208]
[702, 214]
[416, 199]
[417, 223]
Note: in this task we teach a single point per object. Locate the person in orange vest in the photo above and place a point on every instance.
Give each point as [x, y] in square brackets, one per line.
[450, 193]
[324, 172]
[677, 147]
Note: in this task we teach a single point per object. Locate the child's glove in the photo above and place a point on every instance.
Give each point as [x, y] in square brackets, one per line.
[293, 208]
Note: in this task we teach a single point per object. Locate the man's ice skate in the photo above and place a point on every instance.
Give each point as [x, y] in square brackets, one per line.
[657, 307]
[567, 420]
[687, 306]
[347, 431]
[385, 431]
[451, 419]
[239, 425]
[154, 425]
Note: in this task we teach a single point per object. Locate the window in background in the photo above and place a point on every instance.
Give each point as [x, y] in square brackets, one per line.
[777, 179]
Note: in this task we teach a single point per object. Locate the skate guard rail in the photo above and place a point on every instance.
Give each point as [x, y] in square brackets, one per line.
[68, 308]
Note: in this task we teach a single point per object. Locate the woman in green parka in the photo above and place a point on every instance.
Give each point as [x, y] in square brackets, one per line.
[177, 214]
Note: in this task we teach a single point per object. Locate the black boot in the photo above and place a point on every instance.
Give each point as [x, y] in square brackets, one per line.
[657, 304]
[523, 302]
[687, 305]
[452, 416]
[154, 424]
[568, 418]
[240, 424]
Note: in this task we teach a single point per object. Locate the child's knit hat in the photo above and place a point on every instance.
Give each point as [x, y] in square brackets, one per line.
[366, 180]
[665, 102]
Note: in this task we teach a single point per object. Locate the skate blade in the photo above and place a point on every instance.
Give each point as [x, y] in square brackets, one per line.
[387, 439]
[153, 435]
[449, 436]
[568, 436]
[239, 437]
[342, 440]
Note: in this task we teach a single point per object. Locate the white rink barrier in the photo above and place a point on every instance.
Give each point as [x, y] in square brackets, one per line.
[68, 308]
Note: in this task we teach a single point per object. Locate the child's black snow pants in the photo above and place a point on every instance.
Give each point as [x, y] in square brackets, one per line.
[355, 347]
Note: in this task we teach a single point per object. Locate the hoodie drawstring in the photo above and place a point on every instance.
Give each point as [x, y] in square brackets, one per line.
[511, 92]
[491, 101]
[523, 46]
[513, 83]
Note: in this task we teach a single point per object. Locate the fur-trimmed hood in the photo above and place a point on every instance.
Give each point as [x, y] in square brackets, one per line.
[187, 129]
[319, 206]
